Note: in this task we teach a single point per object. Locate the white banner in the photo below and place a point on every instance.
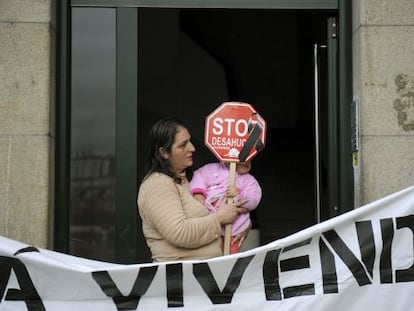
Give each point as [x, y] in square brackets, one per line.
[361, 260]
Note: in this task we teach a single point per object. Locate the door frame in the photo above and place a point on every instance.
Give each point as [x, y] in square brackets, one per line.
[345, 188]
[213, 4]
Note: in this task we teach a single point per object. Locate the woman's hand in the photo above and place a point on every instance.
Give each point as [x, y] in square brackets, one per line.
[228, 212]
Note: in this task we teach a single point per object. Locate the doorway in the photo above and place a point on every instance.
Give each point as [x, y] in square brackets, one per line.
[192, 60]
[156, 62]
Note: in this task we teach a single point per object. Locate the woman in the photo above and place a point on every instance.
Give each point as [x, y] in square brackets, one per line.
[175, 225]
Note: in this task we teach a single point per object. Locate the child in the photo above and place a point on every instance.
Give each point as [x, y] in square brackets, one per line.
[209, 185]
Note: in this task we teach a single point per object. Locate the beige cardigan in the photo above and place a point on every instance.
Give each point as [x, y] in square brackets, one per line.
[175, 225]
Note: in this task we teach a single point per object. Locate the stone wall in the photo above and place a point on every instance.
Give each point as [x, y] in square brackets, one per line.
[26, 135]
[383, 70]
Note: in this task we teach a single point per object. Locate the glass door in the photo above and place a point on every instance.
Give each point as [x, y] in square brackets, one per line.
[103, 130]
[93, 131]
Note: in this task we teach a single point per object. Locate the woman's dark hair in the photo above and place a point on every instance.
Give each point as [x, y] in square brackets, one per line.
[162, 134]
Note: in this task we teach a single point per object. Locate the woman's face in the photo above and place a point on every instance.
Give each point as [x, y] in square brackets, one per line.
[181, 156]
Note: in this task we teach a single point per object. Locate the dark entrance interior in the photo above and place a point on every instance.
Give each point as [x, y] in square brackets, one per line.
[192, 60]
[189, 62]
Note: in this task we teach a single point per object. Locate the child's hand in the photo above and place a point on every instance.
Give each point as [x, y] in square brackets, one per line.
[199, 197]
[232, 191]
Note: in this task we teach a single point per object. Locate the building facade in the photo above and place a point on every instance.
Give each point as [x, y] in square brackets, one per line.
[31, 107]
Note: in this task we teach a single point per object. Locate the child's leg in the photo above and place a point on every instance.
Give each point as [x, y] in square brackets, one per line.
[234, 248]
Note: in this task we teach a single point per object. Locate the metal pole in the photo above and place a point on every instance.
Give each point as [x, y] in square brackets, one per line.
[316, 114]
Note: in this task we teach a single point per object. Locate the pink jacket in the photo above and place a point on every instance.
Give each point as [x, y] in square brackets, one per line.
[212, 179]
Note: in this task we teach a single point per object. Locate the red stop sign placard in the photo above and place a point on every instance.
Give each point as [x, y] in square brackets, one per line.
[235, 132]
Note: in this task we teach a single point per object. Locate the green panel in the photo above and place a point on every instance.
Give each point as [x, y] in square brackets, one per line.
[332, 46]
[254, 4]
[126, 136]
[346, 182]
[62, 155]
